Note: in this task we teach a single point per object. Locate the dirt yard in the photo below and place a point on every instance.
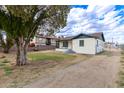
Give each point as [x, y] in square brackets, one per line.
[77, 71]
[98, 71]
[42, 64]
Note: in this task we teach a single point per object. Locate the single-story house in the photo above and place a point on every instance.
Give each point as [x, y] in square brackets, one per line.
[82, 43]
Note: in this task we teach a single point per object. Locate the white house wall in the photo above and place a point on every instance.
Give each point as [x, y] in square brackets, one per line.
[53, 42]
[88, 48]
[33, 40]
[40, 41]
[99, 46]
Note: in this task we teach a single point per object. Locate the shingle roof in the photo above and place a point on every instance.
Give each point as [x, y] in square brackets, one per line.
[98, 35]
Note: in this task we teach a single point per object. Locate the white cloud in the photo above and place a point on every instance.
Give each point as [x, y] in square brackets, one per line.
[93, 19]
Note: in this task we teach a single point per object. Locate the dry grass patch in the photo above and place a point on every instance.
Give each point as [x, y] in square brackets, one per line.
[106, 53]
[121, 73]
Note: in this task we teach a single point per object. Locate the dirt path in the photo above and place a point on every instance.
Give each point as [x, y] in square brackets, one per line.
[98, 71]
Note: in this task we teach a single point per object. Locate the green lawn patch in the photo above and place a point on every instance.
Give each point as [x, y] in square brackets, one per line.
[49, 56]
[5, 61]
[3, 65]
[8, 70]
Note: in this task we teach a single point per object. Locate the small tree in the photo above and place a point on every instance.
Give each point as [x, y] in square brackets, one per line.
[24, 22]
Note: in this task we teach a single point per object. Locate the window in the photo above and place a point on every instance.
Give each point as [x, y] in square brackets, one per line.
[81, 43]
[65, 44]
[57, 44]
[97, 43]
[48, 41]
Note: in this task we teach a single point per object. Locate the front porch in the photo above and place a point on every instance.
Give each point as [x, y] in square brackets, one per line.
[64, 45]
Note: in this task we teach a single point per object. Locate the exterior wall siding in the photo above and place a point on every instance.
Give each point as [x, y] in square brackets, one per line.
[42, 41]
[99, 46]
[53, 42]
[88, 48]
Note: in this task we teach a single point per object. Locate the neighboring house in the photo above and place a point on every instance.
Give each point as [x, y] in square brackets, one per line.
[82, 43]
[44, 40]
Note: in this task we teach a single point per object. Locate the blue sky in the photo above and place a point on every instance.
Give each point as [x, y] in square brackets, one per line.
[96, 18]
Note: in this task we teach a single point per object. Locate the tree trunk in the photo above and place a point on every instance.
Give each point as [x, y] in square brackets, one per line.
[21, 54]
[6, 50]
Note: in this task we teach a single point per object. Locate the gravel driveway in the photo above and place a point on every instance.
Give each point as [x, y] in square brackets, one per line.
[98, 71]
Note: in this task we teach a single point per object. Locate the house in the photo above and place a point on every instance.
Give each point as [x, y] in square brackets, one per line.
[40, 39]
[82, 43]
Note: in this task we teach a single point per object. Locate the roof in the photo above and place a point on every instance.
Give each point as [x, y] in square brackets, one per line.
[98, 35]
[45, 36]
